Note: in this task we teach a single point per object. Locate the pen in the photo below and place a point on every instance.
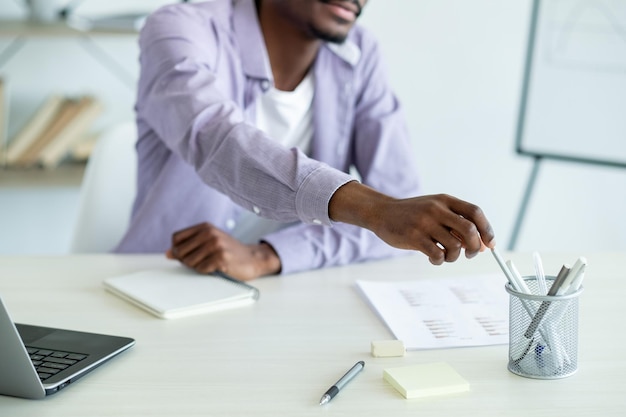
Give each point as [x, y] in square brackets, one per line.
[518, 283]
[577, 269]
[571, 284]
[541, 277]
[560, 278]
[520, 350]
[255, 291]
[503, 266]
[543, 308]
[334, 390]
[577, 281]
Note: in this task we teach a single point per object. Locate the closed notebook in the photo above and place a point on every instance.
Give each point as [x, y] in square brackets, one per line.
[178, 292]
[424, 380]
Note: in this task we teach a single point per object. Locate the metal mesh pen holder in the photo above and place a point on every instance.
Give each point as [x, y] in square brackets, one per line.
[543, 332]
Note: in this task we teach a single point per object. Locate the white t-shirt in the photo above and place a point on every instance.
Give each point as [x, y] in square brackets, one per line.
[287, 117]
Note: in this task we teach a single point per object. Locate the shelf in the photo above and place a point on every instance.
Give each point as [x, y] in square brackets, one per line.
[26, 28]
[68, 174]
[65, 175]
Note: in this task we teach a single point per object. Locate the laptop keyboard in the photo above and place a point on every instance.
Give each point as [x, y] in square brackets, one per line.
[50, 362]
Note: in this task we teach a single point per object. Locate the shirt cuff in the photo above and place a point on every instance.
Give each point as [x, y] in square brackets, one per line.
[315, 193]
[313, 196]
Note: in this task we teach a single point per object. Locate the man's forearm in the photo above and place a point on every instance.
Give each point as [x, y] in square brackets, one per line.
[357, 204]
[441, 226]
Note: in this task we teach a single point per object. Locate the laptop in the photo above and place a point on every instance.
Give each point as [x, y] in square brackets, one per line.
[38, 361]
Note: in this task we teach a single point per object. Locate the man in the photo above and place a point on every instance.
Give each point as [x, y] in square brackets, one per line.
[233, 96]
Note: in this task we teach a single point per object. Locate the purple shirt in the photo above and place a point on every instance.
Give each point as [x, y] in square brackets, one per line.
[200, 158]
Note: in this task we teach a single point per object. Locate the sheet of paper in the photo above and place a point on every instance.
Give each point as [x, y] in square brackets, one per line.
[442, 312]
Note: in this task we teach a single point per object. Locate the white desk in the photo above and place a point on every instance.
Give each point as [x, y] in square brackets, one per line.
[277, 358]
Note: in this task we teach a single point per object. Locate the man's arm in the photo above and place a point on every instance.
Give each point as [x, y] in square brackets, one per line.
[183, 105]
[440, 226]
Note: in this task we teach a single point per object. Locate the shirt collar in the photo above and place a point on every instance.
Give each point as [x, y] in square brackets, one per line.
[254, 58]
[348, 51]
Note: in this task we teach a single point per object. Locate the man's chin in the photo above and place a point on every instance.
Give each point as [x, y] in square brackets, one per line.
[327, 36]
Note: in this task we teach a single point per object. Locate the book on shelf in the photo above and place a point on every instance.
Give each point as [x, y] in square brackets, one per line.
[33, 129]
[87, 110]
[58, 125]
[62, 117]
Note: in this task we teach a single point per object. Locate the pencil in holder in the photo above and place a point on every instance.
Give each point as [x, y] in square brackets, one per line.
[543, 332]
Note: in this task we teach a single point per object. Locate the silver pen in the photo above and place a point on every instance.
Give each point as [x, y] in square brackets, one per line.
[334, 390]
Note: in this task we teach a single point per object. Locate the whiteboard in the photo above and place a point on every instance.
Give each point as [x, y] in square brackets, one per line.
[574, 94]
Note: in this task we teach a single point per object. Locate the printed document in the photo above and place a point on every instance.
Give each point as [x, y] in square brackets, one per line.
[442, 312]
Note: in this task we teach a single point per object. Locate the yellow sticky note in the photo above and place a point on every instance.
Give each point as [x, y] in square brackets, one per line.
[424, 380]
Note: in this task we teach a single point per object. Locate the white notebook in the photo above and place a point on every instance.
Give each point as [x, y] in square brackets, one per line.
[178, 292]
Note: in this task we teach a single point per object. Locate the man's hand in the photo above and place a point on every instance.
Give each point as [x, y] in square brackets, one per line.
[207, 249]
[440, 226]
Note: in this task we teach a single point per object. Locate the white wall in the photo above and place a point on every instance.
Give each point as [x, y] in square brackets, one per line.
[457, 67]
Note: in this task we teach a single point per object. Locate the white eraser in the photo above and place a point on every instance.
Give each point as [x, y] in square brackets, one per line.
[387, 348]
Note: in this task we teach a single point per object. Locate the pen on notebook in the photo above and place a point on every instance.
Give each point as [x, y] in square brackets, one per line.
[334, 390]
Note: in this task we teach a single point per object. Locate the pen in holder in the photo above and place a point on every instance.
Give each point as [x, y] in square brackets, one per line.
[543, 332]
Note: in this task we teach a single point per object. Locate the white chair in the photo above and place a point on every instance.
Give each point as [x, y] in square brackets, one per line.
[107, 192]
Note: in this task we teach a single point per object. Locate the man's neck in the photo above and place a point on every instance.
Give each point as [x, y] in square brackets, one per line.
[291, 52]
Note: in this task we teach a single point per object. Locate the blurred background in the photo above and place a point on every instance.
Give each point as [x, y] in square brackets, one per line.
[456, 65]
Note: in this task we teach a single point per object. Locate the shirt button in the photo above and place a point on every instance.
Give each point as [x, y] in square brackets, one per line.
[230, 224]
[265, 85]
[317, 221]
[256, 209]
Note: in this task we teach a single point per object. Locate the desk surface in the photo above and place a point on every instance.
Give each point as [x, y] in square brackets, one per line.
[277, 357]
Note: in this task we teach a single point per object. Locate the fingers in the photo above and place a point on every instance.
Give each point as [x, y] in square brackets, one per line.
[206, 249]
[448, 247]
[207, 262]
[197, 248]
[441, 227]
[478, 224]
[188, 233]
[468, 224]
[205, 259]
